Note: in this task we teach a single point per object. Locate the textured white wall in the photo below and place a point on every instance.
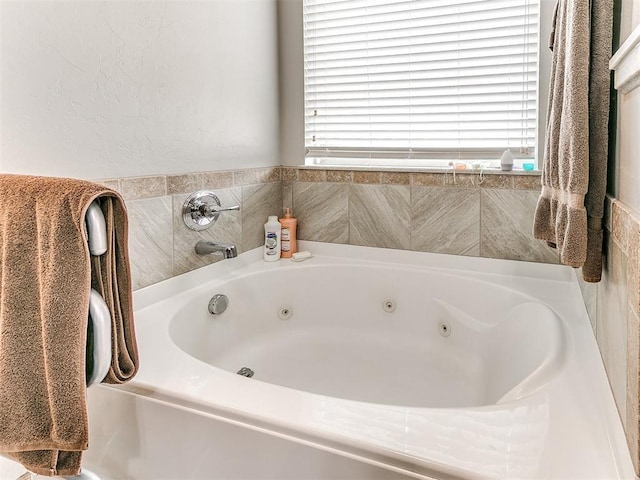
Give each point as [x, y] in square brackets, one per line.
[629, 18]
[291, 77]
[100, 89]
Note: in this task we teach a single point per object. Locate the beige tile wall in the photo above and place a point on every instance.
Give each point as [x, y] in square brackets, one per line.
[160, 244]
[614, 308]
[465, 214]
[489, 215]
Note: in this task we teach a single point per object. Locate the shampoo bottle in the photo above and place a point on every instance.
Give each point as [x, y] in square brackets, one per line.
[272, 231]
[289, 243]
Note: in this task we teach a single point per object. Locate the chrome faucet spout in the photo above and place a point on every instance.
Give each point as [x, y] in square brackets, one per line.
[207, 247]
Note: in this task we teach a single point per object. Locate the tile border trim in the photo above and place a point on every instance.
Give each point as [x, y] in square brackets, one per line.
[134, 188]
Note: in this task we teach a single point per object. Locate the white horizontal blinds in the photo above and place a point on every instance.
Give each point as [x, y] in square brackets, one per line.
[420, 78]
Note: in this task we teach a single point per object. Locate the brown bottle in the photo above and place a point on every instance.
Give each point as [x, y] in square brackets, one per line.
[289, 244]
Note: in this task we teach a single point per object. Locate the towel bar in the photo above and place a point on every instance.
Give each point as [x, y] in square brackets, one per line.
[99, 314]
[100, 318]
[96, 229]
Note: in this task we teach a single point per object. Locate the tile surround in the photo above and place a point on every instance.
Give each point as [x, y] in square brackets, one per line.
[143, 187]
[287, 196]
[339, 176]
[289, 174]
[221, 179]
[258, 202]
[190, 182]
[445, 220]
[311, 176]
[427, 179]
[377, 208]
[497, 181]
[445, 210]
[162, 246]
[612, 335]
[633, 390]
[370, 178]
[113, 184]
[380, 216]
[226, 230]
[395, 178]
[150, 248]
[527, 182]
[456, 179]
[506, 226]
[438, 177]
[322, 210]
[257, 175]
[613, 306]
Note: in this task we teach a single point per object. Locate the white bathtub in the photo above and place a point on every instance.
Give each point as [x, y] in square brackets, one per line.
[369, 363]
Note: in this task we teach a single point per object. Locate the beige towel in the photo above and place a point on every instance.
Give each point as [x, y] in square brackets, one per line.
[574, 174]
[45, 280]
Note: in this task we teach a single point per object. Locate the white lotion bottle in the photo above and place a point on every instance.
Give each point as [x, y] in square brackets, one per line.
[272, 239]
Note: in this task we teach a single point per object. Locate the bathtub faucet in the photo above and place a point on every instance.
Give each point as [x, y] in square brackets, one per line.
[207, 247]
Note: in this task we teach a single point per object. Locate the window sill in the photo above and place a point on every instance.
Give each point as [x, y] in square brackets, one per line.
[421, 169]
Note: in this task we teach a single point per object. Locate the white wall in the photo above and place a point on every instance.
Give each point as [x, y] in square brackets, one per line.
[629, 18]
[291, 76]
[102, 89]
[544, 77]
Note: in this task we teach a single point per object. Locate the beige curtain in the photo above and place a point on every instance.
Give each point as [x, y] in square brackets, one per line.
[574, 172]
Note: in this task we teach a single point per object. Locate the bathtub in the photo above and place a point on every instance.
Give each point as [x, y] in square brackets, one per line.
[368, 363]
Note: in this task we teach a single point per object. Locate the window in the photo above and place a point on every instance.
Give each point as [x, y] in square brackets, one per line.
[420, 81]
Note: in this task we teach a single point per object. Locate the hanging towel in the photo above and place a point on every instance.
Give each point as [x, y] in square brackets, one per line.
[574, 173]
[45, 281]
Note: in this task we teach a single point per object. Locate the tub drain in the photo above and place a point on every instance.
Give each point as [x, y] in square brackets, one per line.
[218, 304]
[245, 372]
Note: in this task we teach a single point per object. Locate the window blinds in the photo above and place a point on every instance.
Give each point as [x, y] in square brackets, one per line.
[420, 78]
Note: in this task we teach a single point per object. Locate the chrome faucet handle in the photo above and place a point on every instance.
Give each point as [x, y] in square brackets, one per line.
[202, 209]
[211, 210]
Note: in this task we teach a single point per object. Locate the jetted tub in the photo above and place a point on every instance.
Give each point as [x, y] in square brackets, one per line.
[379, 333]
[368, 363]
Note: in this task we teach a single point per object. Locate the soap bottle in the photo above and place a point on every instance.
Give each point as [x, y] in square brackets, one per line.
[272, 232]
[289, 226]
